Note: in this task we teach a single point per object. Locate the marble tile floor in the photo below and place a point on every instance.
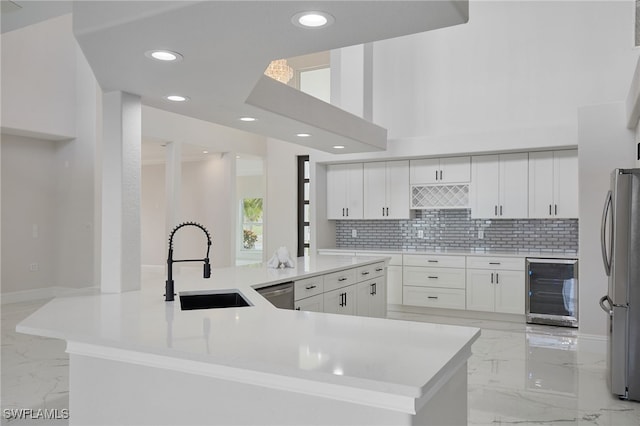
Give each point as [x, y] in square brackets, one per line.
[518, 375]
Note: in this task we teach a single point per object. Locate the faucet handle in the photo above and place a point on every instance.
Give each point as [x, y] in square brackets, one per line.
[207, 269]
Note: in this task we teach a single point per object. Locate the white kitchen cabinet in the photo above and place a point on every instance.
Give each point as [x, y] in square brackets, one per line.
[371, 299]
[394, 285]
[386, 190]
[344, 191]
[499, 186]
[341, 301]
[440, 170]
[310, 304]
[434, 281]
[496, 284]
[553, 184]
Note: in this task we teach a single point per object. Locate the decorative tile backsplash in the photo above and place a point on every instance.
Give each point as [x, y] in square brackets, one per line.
[455, 229]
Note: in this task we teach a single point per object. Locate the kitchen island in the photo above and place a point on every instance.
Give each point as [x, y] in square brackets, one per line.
[136, 359]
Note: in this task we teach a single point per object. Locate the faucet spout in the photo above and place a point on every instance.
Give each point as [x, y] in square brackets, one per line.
[169, 284]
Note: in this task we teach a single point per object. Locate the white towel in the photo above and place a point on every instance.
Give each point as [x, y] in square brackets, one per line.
[281, 259]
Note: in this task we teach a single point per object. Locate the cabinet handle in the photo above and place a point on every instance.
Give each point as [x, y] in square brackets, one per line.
[432, 297]
[433, 278]
[432, 261]
[494, 263]
[345, 299]
[497, 278]
[379, 269]
[373, 289]
[440, 174]
[342, 279]
[342, 299]
[343, 212]
[298, 308]
[549, 209]
[556, 209]
[492, 278]
[383, 211]
[309, 287]
[347, 211]
[387, 211]
[495, 210]
[500, 210]
[436, 175]
[365, 272]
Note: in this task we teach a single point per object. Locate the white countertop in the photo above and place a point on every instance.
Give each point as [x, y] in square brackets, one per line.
[545, 254]
[366, 360]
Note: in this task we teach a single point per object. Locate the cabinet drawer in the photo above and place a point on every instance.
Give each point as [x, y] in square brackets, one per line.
[370, 271]
[310, 304]
[434, 297]
[434, 260]
[494, 262]
[339, 279]
[308, 287]
[434, 277]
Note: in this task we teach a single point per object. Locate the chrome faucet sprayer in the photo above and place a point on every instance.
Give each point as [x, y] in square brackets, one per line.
[168, 296]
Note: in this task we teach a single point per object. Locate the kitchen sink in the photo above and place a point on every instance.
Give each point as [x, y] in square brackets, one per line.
[190, 300]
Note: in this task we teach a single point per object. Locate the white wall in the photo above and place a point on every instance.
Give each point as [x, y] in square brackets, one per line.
[39, 80]
[28, 220]
[153, 208]
[510, 79]
[49, 91]
[604, 144]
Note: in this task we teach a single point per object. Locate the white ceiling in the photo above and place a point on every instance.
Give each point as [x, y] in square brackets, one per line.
[226, 47]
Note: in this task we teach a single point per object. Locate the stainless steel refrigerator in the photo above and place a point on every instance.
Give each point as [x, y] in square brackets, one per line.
[621, 255]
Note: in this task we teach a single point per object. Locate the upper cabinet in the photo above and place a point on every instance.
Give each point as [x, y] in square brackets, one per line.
[440, 170]
[344, 191]
[499, 185]
[386, 190]
[553, 184]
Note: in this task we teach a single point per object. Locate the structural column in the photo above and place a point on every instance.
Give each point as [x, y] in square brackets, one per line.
[121, 170]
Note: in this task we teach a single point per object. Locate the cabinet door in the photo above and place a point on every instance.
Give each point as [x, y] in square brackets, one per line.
[541, 184]
[565, 189]
[364, 305]
[426, 170]
[397, 190]
[509, 292]
[394, 285]
[485, 184]
[336, 191]
[455, 169]
[341, 301]
[375, 183]
[480, 290]
[514, 177]
[354, 186]
[312, 304]
[379, 305]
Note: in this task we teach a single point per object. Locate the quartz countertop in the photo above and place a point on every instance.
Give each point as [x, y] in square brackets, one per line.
[550, 254]
[368, 360]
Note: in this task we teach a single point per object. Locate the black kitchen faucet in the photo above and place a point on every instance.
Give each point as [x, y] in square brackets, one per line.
[168, 296]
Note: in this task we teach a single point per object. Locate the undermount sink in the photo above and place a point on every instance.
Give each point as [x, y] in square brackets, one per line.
[190, 300]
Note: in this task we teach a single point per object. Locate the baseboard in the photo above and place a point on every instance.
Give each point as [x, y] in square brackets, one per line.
[45, 293]
[458, 313]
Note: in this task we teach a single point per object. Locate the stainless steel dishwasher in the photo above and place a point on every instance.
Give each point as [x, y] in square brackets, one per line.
[280, 295]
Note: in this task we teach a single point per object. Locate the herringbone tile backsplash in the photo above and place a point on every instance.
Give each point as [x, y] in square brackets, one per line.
[455, 229]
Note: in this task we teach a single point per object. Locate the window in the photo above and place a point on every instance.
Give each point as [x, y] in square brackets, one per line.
[251, 223]
[304, 233]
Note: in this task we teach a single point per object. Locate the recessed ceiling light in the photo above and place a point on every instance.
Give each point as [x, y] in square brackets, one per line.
[163, 55]
[237, 156]
[247, 119]
[338, 146]
[312, 19]
[177, 98]
[205, 152]
[303, 135]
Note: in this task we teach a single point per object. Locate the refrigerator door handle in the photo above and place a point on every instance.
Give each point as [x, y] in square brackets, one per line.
[609, 309]
[606, 257]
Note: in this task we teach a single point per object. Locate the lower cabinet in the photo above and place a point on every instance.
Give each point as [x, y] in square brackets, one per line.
[311, 304]
[434, 281]
[435, 297]
[352, 291]
[341, 301]
[371, 298]
[496, 291]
